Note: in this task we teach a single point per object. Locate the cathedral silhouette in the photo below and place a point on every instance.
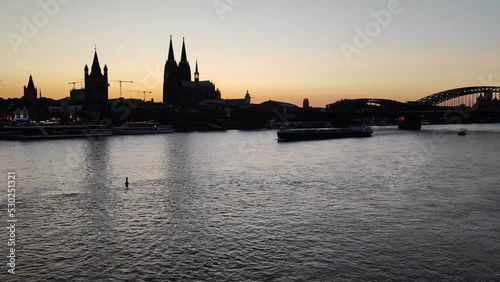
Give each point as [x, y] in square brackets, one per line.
[178, 88]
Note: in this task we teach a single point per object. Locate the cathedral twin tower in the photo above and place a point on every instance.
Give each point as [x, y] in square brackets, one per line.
[178, 89]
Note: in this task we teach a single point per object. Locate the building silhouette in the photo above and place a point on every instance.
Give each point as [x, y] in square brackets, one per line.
[184, 68]
[305, 103]
[96, 82]
[178, 88]
[30, 92]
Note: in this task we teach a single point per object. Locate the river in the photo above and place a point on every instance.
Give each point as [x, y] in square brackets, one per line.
[240, 206]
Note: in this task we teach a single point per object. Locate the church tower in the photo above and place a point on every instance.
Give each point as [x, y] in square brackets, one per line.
[30, 92]
[171, 79]
[96, 83]
[184, 68]
[196, 73]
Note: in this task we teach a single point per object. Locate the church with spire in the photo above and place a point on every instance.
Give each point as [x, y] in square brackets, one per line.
[96, 82]
[30, 92]
[178, 88]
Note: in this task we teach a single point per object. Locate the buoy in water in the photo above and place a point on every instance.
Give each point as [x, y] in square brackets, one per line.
[126, 182]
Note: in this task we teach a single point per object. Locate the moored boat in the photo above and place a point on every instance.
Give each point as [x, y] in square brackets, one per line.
[462, 132]
[298, 134]
[34, 131]
[140, 128]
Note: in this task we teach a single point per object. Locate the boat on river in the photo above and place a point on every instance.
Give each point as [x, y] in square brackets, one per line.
[141, 128]
[299, 134]
[34, 131]
[462, 132]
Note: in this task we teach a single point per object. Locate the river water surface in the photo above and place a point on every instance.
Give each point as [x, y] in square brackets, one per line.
[240, 206]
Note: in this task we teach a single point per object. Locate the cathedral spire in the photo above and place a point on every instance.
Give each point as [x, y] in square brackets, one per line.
[95, 64]
[184, 55]
[31, 85]
[196, 73]
[171, 51]
[184, 68]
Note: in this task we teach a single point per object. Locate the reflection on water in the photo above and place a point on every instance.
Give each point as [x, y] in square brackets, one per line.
[238, 205]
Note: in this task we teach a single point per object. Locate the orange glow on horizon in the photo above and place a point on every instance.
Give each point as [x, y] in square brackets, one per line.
[59, 88]
[259, 46]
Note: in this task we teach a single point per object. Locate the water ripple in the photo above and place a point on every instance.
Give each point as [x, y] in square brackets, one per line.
[373, 209]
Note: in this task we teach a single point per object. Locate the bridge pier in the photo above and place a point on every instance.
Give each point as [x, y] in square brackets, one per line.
[410, 121]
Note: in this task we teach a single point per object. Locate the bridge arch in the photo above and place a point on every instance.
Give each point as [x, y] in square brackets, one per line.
[377, 101]
[440, 97]
[363, 104]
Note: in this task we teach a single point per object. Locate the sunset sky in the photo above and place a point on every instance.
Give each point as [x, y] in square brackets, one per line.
[324, 50]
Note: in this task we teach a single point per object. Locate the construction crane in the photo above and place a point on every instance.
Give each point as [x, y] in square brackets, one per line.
[121, 81]
[143, 94]
[75, 82]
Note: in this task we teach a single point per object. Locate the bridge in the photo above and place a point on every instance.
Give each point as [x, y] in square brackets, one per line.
[487, 92]
[409, 114]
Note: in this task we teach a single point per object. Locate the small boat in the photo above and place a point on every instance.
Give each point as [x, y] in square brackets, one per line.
[141, 128]
[34, 131]
[462, 132]
[299, 134]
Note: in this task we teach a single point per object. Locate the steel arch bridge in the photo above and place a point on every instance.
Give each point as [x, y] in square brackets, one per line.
[379, 101]
[376, 101]
[443, 96]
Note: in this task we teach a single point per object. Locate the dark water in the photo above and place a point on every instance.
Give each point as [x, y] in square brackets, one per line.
[239, 206]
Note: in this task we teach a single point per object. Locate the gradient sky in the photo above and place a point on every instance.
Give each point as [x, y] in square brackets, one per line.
[280, 50]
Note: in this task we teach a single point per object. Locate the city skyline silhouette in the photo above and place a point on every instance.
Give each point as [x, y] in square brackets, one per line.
[400, 50]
